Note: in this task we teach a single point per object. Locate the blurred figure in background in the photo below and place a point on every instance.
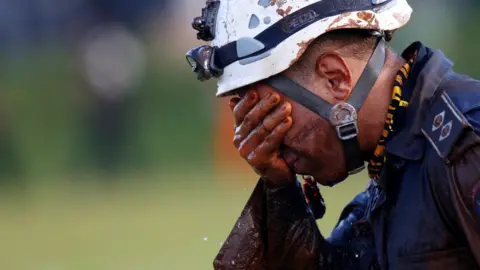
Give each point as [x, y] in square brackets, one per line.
[106, 36]
[112, 62]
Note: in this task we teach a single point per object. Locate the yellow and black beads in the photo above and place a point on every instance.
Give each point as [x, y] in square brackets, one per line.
[379, 158]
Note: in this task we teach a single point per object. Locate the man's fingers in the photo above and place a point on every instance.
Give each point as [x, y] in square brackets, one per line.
[257, 114]
[272, 142]
[252, 141]
[259, 134]
[244, 106]
[233, 102]
[275, 118]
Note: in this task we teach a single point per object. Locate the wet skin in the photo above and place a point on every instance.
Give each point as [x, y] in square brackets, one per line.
[280, 138]
[260, 127]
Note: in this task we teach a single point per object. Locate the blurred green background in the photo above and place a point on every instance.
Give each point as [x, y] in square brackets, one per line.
[107, 141]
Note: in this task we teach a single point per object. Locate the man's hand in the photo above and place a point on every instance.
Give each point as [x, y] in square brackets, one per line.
[260, 127]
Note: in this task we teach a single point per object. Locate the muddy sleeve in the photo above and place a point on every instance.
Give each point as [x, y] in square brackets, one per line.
[277, 230]
[244, 247]
[293, 238]
[464, 190]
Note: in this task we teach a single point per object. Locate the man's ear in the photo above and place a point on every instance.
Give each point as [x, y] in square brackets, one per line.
[333, 68]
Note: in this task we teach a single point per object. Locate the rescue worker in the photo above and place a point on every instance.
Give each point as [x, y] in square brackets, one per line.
[316, 91]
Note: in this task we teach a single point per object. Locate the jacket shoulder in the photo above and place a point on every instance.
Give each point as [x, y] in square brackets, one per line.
[452, 128]
[444, 125]
[449, 115]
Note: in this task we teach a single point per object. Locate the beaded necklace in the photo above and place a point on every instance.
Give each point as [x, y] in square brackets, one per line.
[378, 159]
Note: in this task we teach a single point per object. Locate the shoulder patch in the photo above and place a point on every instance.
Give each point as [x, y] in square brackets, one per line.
[444, 125]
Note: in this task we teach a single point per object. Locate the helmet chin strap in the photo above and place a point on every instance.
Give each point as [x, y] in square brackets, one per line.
[342, 116]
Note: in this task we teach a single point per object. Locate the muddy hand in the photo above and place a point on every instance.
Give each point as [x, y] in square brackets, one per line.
[260, 127]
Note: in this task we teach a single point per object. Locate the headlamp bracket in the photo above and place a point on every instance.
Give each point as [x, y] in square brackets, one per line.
[205, 24]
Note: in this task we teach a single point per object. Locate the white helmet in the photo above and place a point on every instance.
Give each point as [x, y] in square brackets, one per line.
[252, 40]
[256, 40]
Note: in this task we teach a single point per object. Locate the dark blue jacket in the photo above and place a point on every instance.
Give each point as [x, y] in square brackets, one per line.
[423, 212]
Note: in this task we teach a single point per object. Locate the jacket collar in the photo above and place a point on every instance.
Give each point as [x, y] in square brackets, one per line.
[428, 71]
